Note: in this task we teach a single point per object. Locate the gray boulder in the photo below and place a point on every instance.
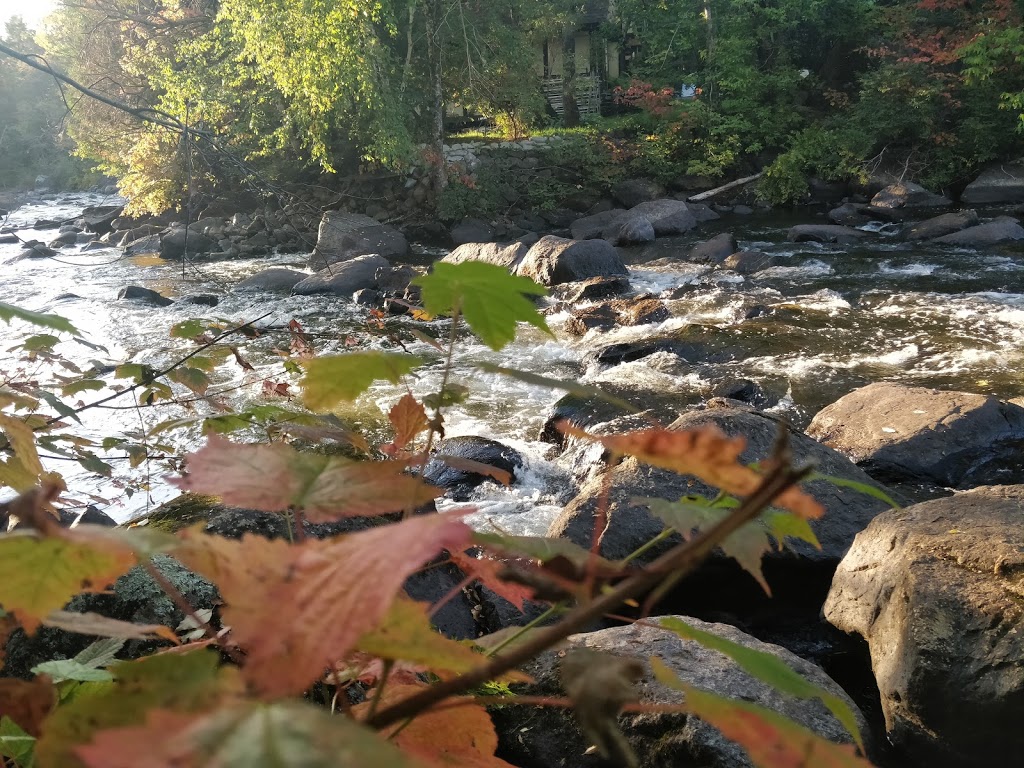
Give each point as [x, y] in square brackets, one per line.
[64, 239]
[953, 439]
[344, 278]
[849, 215]
[458, 482]
[173, 243]
[1003, 183]
[552, 260]
[847, 512]
[942, 225]
[143, 295]
[935, 590]
[137, 233]
[1001, 230]
[825, 233]
[749, 262]
[275, 279]
[669, 217]
[551, 737]
[99, 218]
[907, 194]
[472, 231]
[343, 236]
[635, 191]
[703, 212]
[147, 244]
[593, 226]
[503, 255]
[630, 230]
[713, 251]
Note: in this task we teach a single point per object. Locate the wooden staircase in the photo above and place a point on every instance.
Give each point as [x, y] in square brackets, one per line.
[588, 94]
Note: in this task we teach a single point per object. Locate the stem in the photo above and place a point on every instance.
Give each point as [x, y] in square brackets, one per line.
[378, 692]
[525, 628]
[683, 558]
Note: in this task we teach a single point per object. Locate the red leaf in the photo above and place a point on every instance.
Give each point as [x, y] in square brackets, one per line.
[486, 571]
[27, 703]
[298, 609]
[408, 418]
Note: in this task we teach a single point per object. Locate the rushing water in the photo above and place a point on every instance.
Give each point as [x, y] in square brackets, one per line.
[827, 320]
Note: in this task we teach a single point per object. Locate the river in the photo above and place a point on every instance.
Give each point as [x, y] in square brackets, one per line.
[829, 319]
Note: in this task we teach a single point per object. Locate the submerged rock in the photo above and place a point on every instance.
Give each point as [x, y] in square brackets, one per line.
[457, 481]
[936, 591]
[749, 262]
[825, 233]
[144, 295]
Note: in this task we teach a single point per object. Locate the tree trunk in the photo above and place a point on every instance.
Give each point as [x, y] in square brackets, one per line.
[570, 109]
[438, 171]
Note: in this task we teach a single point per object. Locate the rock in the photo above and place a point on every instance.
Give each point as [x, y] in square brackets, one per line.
[593, 226]
[148, 244]
[275, 279]
[551, 736]
[849, 215]
[507, 255]
[144, 295]
[600, 316]
[635, 191]
[935, 590]
[9, 239]
[207, 225]
[713, 251]
[749, 262]
[824, 233]
[173, 243]
[942, 225]
[742, 210]
[907, 194]
[137, 233]
[594, 288]
[44, 224]
[630, 230]
[367, 297]
[847, 512]
[472, 231]
[344, 236]
[344, 278]
[258, 243]
[621, 312]
[99, 218]
[200, 299]
[702, 212]
[953, 439]
[459, 482]
[669, 217]
[1000, 230]
[64, 239]
[552, 260]
[741, 390]
[1002, 183]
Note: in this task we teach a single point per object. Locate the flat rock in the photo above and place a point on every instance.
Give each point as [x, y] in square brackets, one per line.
[275, 280]
[1001, 230]
[506, 255]
[535, 736]
[553, 260]
[907, 194]
[344, 278]
[953, 439]
[942, 225]
[635, 191]
[749, 262]
[713, 251]
[1002, 183]
[825, 233]
[593, 226]
[343, 236]
[936, 591]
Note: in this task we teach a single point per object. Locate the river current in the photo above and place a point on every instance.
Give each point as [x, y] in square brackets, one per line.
[829, 319]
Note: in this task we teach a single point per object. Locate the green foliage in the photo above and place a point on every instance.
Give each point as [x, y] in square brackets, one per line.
[833, 155]
[329, 380]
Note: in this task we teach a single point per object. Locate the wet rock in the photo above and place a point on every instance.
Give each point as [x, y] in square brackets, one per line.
[506, 255]
[9, 239]
[630, 230]
[635, 191]
[593, 226]
[713, 251]
[458, 483]
[344, 236]
[825, 233]
[621, 312]
[935, 589]
[749, 262]
[148, 244]
[942, 225]
[907, 194]
[275, 279]
[552, 260]
[849, 215]
[703, 212]
[953, 439]
[668, 217]
[742, 210]
[344, 278]
[1001, 230]
[44, 224]
[742, 390]
[143, 295]
[367, 297]
[174, 242]
[594, 288]
[1002, 183]
[99, 218]
[600, 316]
[847, 512]
[472, 231]
[550, 736]
[63, 240]
[200, 299]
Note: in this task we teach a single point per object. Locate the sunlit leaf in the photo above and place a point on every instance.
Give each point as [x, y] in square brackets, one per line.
[489, 574]
[490, 299]
[56, 322]
[408, 418]
[189, 329]
[539, 547]
[68, 669]
[865, 488]
[16, 744]
[85, 385]
[705, 452]
[329, 380]
[768, 669]
[193, 378]
[276, 477]
[101, 626]
[22, 439]
[320, 597]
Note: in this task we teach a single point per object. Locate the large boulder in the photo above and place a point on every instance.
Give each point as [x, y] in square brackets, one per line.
[749, 262]
[506, 255]
[471, 230]
[343, 236]
[1002, 183]
[275, 280]
[1000, 230]
[174, 241]
[344, 278]
[669, 217]
[594, 226]
[630, 230]
[98, 218]
[553, 260]
[632, 192]
[907, 194]
[147, 244]
[847, 512]
[825, 233]
[549, 736]
[713, 251]
[900, 433]
[942, 225]
[936, 591]
[457, 480]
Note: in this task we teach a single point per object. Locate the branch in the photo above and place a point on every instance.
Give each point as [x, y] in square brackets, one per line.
[724, 188]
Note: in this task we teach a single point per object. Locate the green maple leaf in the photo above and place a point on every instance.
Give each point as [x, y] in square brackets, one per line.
[329, 380]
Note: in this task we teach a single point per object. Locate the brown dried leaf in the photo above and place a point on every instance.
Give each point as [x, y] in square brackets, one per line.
[488, 571]
[408, 418]
[27, 703]
[319, 597]
[101, 626]
[476, 467]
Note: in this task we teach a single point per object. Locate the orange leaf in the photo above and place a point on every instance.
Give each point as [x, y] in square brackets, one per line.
[275, 477]
[477, 467]
[298, 609]
[487, 572]
[27, 703]
[408, 418]
[705, 452]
